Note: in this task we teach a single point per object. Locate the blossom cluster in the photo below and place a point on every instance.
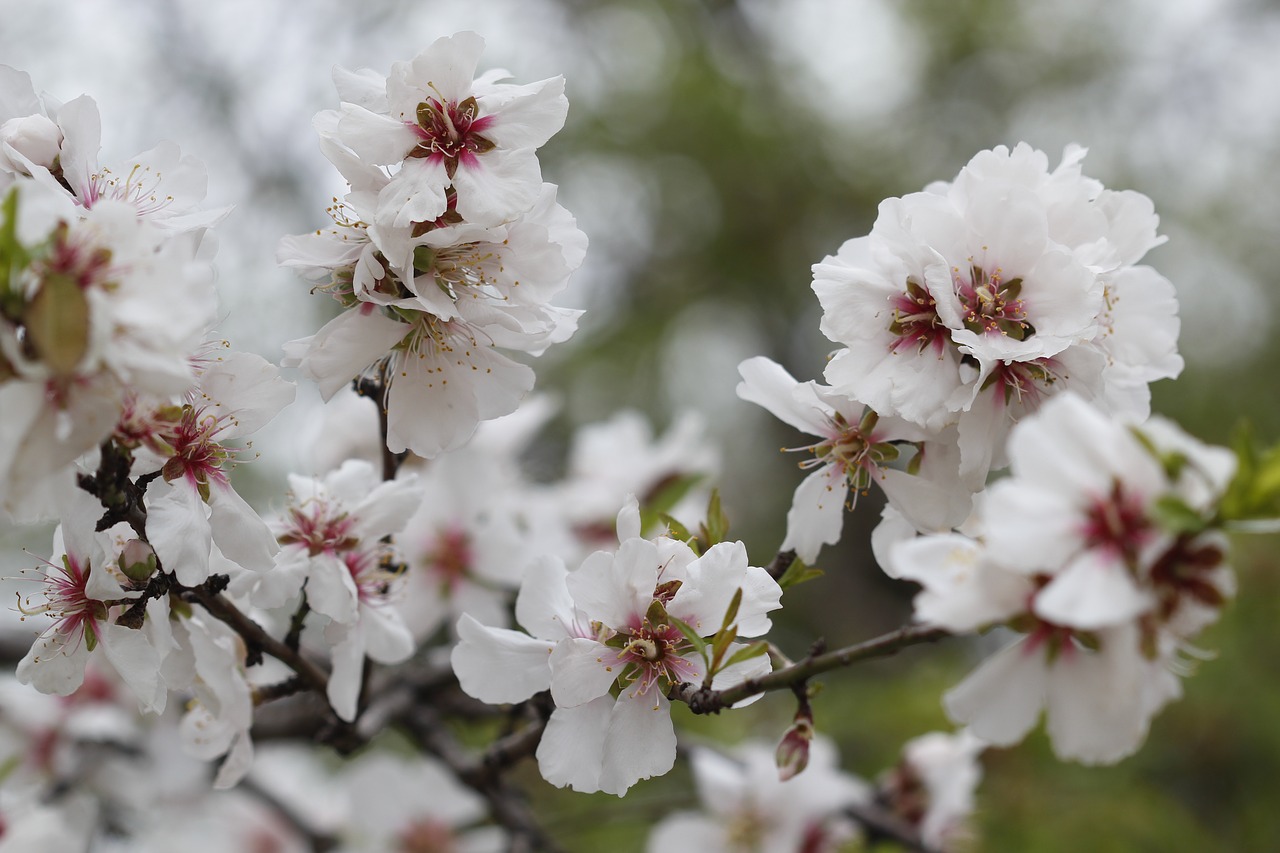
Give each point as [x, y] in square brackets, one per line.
[967, 306]
[447, 248]
[1002, 319]
[93, 255]
[1102, 549]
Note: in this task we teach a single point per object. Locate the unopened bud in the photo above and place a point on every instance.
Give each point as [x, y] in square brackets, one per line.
[793, 751]
[34, 137]
[137, 560]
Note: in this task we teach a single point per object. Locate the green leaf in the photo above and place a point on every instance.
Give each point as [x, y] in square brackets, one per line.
[797, 573]
[754, 650]
[656, 506]
[1173, 514]
[716, 528]
[689, 634]
[1254, 492]
[731, 613]
[720, 644]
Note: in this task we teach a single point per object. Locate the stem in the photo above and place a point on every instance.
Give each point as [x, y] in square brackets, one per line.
[296, 622]
[258, 639]
[703, 701]
[376, 390]
[506, 803]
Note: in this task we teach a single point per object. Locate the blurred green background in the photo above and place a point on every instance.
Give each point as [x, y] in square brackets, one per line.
[716, 150]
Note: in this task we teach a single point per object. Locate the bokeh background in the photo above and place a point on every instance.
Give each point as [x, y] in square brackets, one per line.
[714, 151]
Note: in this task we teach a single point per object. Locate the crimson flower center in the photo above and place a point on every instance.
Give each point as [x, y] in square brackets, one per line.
[451, 132]
[915, 321]
[990, 302]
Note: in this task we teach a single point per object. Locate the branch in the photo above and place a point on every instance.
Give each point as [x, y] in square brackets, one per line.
[506, 803]
[703, 700]
[376, 390]
[780, 563]
[258, 640]
[881, 823]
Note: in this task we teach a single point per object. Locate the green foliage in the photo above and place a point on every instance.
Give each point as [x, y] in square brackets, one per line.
[1255, 491]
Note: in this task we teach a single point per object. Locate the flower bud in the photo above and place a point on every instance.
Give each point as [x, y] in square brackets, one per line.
[793, 751]
[138, 560]
[34, 137]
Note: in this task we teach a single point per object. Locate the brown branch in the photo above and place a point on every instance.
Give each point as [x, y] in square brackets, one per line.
[376, 390]
[882, 824]
[258, 640]
[780, 563]
[709, 701]
[507, 804]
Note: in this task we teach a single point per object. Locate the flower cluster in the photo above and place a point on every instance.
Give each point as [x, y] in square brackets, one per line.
[967, 306]
[94, 259]
[447, 247]
[1102, 550]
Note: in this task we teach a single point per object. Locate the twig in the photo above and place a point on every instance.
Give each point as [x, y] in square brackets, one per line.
[780, 563]
[883, 824]
[258, 640]
[703, 701]
[506, 803]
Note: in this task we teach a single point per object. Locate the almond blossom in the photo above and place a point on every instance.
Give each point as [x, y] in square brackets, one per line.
[334, 542]
[192, 505]
[611, 626]
[854, 452]
[87, 319]
[972, 302]
[445, 130]
[744, 806]
[87, 590]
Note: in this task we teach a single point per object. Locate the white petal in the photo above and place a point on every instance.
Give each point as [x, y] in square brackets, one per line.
[544, 607]
[816, 516]
[178, 529]
[138, 663]
[582, 670]
[346, 345]
[55, 663]
[1093, 591]
[617, 589]
[640, 743]
[497, 665]
[1001, 700]
[571, 751]
[347, 662]
[768, 384]
[241, 535]
[498, 185]
[331, 589]
[386, 639]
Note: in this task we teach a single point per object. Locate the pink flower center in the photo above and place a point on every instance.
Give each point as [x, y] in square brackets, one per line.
[85, 265]
[197, 457]
[915, 321]
[991, 304]
[451, 132]
[320, 526]
[1117, 523]
[426, 835]
[1022, 382]
[451, 556]
[652, 655]
[373, 572]
[72, 610]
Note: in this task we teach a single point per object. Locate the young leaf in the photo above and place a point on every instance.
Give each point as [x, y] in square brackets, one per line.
[796, 573]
